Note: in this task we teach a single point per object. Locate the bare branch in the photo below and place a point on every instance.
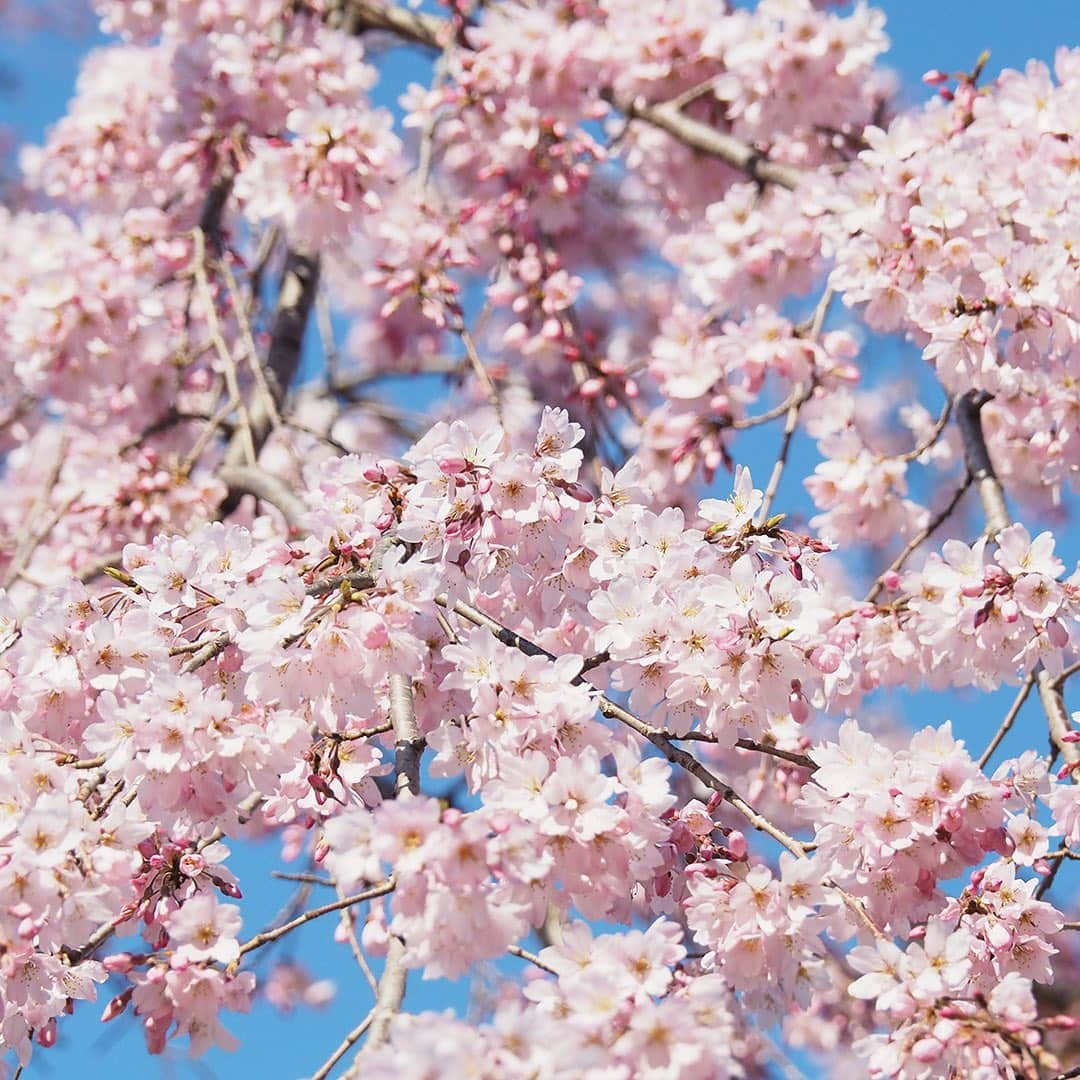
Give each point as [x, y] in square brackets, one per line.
[267, 936]
[299, 284]
[991, 493]
[252, 480]
[434, 33]
[347, 1043]
[932, 527]
[1010, 717]
[668, 116]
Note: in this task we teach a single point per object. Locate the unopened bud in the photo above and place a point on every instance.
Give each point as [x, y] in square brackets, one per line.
[116, 1006]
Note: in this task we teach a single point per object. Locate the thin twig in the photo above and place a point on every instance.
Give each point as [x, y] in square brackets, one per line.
[269, 404]
[246, 443]
[799, 396]
[267, 936]
[213, 647]
[916, 541]
[35, 531]
[1010, 717]
[929, 441]
[524, 954]
[347, 1043]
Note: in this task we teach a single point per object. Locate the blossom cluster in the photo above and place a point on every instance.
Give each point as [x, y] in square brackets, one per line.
[506, 668]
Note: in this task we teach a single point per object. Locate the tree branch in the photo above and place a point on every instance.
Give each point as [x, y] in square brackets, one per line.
[668, 116]
[434, 33]
[408, 747]
[299, 283]
[992, 494]
[252, 480]
[267, 936]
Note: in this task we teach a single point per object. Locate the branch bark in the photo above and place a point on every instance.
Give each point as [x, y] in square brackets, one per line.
[434, 33]
[299, 284]
[995, 510]
[408, 747]
[252, 480]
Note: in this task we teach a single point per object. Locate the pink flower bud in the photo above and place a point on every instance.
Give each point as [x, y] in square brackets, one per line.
[46, 1034]
[800, 711]
[927, 1050]
[452, 464]
[934, 77]
[1010, 612]
[578, 491]
[116, 1006]
[736, 844]
[118, 963]
[1062, 1022]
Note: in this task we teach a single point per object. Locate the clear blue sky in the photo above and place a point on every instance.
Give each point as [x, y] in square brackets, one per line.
[925, 34]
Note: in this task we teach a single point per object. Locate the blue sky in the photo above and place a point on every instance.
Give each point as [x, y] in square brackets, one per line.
[925, 34]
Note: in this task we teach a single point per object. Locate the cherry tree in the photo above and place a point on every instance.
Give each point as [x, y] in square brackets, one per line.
[376, 488]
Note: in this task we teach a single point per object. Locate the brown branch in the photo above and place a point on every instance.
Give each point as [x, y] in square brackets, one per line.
[992, 495]
[1010, 717]
[252, 480]
[347, 1043]
[267, 936]
[669, 117]
[408, 747]
[932, 527]
[434, 33]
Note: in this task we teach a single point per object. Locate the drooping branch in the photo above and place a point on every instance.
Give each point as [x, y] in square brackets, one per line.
[267, 936]
[669, 117]
[359, 16]
[299, 284]
[995, 510]
[252, 480]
